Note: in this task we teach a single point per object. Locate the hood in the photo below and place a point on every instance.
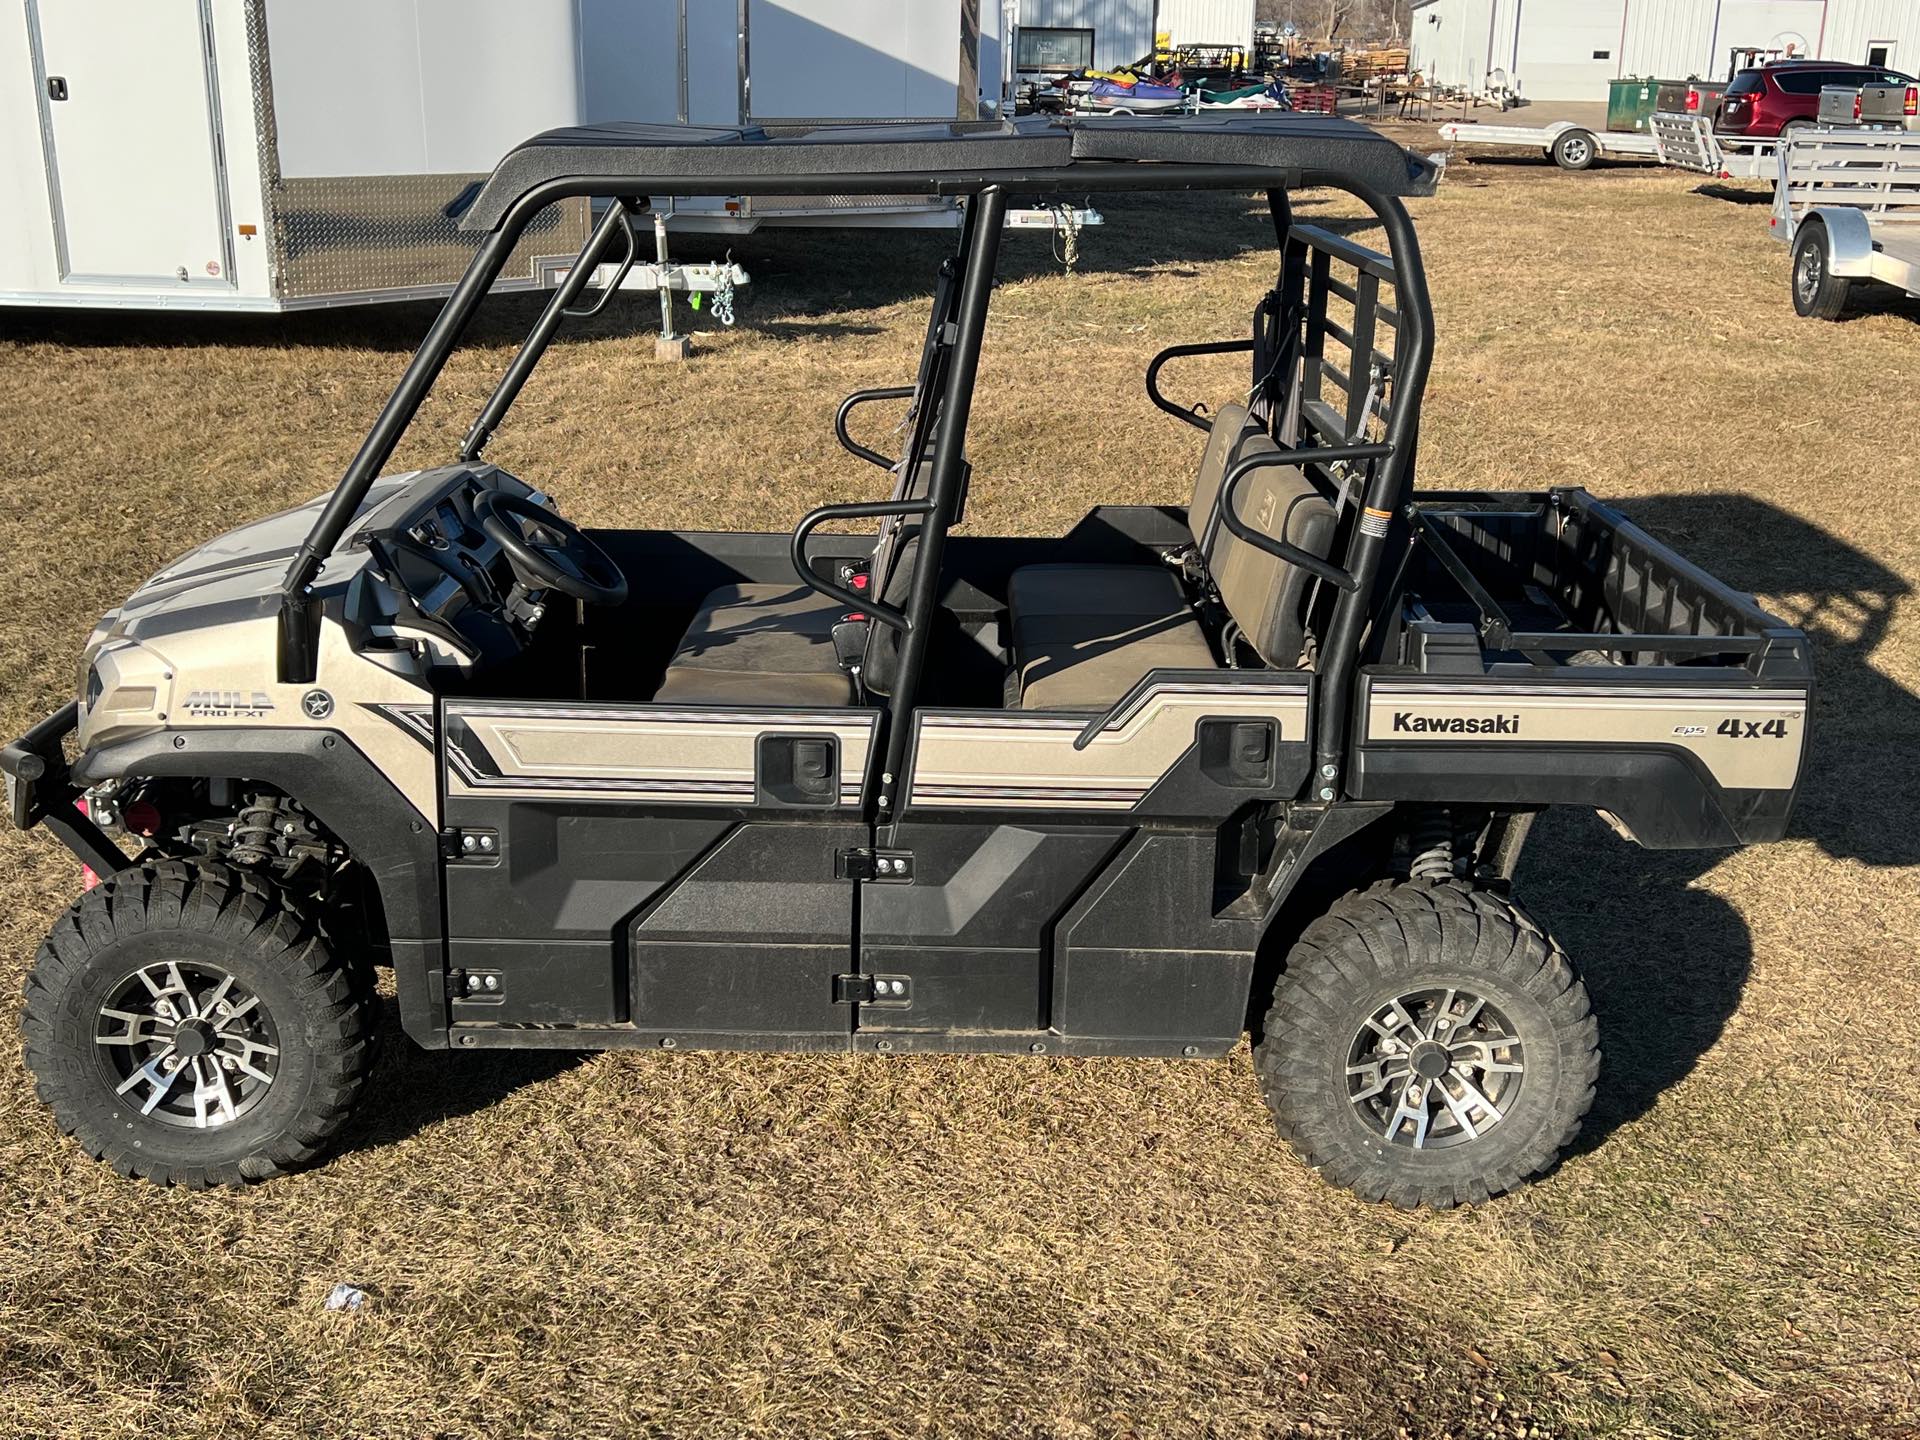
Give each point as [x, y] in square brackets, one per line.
[237, 576]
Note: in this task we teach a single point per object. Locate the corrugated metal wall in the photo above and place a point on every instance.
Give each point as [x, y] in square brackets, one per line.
[1853, 25]
[1122, 29]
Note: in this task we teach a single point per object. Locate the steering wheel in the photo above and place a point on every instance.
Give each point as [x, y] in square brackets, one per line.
[547, 551]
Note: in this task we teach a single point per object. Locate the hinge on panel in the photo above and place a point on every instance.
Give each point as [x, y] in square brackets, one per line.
[890, 866]
[470, 844]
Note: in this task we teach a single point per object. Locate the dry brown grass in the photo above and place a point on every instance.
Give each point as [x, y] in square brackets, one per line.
[720, 1245]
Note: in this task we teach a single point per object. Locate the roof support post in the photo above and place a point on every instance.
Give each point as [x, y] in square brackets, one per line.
[535, 345]
[986, 219]
[1384, 503]
[297, 656]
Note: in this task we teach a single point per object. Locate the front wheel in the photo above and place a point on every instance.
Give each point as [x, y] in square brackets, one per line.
[1428, 1044]
[1818, 293]
[188, 1025]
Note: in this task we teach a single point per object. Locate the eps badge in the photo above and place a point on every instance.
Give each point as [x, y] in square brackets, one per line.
[317, 704]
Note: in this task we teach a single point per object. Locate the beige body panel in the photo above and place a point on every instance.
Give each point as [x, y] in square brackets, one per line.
[997, 759]
[1753, 759]
[673, 755]
[224, 677]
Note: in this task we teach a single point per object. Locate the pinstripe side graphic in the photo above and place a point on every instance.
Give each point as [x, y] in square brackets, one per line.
[990, 759]
[673, 754]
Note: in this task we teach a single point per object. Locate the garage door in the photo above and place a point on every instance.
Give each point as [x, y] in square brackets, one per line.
[1572, 55]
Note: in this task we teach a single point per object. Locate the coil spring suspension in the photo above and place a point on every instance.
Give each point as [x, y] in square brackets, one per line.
[1430, 842]
[256, 832]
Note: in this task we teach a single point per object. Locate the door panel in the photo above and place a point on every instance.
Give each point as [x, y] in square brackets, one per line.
[130, 126]
[972, 933]
[667, 868]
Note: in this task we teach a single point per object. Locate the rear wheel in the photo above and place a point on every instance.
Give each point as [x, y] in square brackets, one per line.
[1574, 150]
[188, 1025]
[1818, 293]
[1428, 1044]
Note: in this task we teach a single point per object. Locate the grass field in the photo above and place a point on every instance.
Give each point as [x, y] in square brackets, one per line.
[720, 1245]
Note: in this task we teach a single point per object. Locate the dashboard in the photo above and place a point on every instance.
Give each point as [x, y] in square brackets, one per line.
[436, 584]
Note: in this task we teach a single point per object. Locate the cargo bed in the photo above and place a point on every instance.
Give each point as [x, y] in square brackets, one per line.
[1548, 651]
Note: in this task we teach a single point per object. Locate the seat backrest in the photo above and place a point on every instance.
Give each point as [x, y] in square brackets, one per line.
[1231, 425]
[1267, 596]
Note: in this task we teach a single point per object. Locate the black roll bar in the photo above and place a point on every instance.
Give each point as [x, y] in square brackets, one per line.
[852, 510]
[1189, 414]
[619, 216]
[1334, 575]
[854, 402]
[986, 218]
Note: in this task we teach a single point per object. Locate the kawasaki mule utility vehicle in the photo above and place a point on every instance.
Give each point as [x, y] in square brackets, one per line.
[1261, 762]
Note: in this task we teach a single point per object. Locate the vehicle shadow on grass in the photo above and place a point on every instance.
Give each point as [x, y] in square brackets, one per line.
[1859, 787]
[413, 1089]
[1665, 963]
[1665, 960]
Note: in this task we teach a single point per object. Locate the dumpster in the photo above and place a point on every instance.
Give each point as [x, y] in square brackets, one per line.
[1630, 102]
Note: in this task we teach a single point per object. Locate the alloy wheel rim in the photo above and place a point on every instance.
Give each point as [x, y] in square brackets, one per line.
[187, 1043]
[1808, 275]
[1433, 1068]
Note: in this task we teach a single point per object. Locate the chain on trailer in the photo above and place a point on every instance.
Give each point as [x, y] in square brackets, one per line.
[1066, 234]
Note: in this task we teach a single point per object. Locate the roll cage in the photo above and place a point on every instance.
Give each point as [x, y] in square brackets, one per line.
[984, 165]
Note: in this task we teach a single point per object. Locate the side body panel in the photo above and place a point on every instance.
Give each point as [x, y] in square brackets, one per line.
[663, 868]
[1680, 766]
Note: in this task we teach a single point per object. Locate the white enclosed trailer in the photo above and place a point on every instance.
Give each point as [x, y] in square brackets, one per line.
[272, 155]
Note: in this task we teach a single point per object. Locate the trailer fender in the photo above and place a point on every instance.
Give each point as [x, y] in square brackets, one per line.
[1849, 240]
[346, 792]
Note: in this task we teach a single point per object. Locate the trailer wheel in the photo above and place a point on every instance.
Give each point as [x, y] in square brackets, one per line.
[1429, 1044]
[1818, 293]
[1574, 150]
[188, 1025]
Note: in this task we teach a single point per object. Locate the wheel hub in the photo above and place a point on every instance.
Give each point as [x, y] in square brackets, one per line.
[1434, 1067]
[187, 1043]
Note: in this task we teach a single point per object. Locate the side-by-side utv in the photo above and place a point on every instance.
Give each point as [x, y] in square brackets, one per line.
[1265, 761]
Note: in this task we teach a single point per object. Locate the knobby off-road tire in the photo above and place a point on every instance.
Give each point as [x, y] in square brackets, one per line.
[188, 1025]
[1419, 980]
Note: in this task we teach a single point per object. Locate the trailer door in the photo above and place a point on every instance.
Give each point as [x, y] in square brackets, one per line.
[129, 118]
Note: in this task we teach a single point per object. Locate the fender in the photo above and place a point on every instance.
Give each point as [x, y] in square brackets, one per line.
[1849, 239]
[330, 777]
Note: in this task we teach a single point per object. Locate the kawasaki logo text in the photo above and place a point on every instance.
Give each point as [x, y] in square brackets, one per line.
[1406, 722]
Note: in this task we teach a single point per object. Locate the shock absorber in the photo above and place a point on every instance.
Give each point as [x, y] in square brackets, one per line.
[1430, 842]
[256, 832]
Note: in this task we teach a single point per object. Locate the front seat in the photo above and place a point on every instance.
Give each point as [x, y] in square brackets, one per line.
[759, 645]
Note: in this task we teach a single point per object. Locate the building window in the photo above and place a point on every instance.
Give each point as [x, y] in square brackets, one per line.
[1603, 54]
[1053, 48]
[1880, 56]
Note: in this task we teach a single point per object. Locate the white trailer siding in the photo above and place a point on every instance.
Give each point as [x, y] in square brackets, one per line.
[1207, 22]
[1122, 29]
[1569, 49]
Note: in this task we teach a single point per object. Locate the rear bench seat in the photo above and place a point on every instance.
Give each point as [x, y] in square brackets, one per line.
[1083, 635]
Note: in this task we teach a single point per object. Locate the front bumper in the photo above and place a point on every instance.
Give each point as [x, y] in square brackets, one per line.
[40, 791]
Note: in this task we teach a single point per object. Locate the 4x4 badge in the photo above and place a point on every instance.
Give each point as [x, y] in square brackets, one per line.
[317, 703]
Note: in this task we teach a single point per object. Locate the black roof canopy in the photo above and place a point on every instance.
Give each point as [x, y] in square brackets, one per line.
[953, 158]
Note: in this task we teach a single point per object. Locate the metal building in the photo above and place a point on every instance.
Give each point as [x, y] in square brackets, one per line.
[1570, 49]
[1102, 34]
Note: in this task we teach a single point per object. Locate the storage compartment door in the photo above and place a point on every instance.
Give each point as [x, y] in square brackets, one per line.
[130, 124]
